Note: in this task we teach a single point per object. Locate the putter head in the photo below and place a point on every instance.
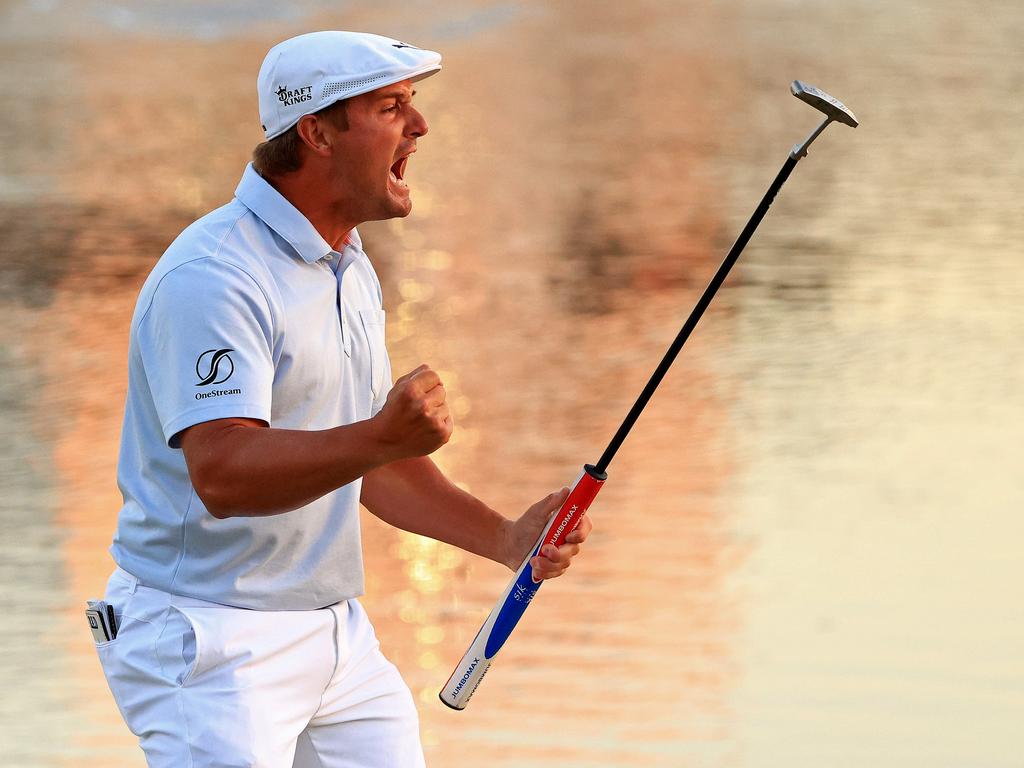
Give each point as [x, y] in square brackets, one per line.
[821, 101]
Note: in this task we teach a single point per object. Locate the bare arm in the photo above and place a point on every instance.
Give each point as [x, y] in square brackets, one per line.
[241, 467]
[415, 496]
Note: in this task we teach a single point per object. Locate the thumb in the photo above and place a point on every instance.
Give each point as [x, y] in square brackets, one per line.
[550, 504]
[411, 373]
[538, 515]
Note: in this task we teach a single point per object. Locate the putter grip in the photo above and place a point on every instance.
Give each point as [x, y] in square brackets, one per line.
[517, 595]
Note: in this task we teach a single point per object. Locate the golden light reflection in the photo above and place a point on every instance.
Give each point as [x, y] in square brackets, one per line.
[415, 291]
[429, 660]
[430, 635]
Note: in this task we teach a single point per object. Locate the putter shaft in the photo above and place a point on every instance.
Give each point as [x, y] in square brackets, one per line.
[834, 110]
[695, 315]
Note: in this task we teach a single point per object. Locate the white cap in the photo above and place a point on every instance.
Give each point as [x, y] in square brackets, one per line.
[304, 74]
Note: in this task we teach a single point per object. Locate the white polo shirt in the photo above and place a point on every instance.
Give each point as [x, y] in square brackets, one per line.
[249, 313]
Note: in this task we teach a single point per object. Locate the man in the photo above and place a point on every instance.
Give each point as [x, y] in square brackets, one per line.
[260, 412]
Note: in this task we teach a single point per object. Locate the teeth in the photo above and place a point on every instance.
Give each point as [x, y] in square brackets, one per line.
[397, 171]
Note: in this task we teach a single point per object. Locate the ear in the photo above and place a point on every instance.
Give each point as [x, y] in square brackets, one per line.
[315, 134]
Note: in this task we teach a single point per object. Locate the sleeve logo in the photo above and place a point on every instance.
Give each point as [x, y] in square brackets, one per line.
[214, 366]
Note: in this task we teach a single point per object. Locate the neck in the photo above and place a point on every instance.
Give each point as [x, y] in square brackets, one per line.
[327, 216]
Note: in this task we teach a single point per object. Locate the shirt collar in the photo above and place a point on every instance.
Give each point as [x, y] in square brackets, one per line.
[352, 240]
[273, 208]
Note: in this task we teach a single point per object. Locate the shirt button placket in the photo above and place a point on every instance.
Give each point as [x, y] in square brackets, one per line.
[346, 336]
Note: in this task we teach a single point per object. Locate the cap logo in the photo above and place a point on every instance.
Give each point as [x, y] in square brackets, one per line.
[404, 45]
[296, 96]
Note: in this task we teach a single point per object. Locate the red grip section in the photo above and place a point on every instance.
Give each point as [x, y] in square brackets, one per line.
[573, 509]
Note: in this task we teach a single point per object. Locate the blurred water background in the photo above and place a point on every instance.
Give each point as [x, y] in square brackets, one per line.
[808, 552]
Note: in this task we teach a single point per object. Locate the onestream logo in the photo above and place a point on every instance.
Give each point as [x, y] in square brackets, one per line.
[215, 366]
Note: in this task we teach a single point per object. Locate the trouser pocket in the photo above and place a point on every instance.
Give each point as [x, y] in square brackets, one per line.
[177, 646]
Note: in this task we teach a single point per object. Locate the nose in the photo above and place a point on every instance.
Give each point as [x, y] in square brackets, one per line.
[417, 125]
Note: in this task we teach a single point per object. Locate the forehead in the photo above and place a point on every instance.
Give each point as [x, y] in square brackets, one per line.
[401, 89]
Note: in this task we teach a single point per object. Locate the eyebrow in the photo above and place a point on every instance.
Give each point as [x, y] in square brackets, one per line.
[395, 94]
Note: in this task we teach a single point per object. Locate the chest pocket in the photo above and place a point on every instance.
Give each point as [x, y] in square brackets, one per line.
[373, 327]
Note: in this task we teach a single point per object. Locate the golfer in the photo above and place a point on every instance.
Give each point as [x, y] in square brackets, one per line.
[260, 412]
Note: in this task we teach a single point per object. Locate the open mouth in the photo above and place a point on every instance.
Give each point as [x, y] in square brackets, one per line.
[397, 173]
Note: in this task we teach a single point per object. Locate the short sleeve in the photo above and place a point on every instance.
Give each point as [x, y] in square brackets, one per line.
[206, 344]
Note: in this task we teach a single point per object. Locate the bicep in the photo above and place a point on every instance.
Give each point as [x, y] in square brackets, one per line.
[205, 344]
[205, 448]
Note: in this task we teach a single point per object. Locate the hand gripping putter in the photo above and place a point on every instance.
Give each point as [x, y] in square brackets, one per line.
[521, 590]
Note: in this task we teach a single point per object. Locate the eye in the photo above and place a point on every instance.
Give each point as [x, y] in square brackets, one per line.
[392, 108]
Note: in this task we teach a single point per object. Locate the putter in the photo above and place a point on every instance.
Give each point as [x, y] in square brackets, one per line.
[517, 595]
[834, 110]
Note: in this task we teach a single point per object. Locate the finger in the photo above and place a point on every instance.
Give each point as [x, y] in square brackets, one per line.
[567, 552]
[554, 500]
[425, 380]
[441, 415]
[410, 374]
[560, 555]
[436, 396]
[582, 531]
[545, 569]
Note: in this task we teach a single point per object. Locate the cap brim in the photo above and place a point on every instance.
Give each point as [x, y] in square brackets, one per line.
[414, 76]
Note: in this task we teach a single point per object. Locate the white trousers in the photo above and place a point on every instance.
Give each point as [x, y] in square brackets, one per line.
[206, 685]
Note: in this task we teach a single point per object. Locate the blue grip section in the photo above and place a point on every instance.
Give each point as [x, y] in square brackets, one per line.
[512, 610]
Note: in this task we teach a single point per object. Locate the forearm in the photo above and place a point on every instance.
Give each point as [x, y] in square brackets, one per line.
[241, 467]
[414, 495]
[243, 470]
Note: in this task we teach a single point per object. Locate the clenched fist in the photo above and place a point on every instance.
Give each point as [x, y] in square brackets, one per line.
[415, 420]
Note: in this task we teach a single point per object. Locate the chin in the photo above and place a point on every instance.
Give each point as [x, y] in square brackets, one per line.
[402, 210]
[392, 211]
